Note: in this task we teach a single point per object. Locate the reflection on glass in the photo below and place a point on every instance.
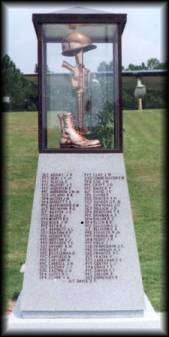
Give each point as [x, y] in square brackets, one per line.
[81, 89]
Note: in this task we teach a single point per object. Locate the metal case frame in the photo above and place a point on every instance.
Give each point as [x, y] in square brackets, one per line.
[61, 18]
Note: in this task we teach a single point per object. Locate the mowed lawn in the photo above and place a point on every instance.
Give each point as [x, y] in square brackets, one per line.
[144, 143]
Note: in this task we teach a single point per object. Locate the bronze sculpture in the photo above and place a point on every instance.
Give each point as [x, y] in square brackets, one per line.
[75, 44]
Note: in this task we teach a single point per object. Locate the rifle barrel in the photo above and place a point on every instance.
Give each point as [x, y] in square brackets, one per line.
[67, 66]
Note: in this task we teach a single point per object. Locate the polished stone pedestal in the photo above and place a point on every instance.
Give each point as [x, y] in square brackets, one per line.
[82, 253]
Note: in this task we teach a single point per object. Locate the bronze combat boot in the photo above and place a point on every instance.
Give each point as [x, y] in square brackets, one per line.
[64, 140]
[76, 139]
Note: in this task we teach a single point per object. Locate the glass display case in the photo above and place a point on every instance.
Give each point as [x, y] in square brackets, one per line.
[79, 75]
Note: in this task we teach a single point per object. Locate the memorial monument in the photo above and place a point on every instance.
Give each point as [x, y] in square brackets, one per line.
[82, 257]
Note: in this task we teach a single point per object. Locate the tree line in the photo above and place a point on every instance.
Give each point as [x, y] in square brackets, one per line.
[23, 93]
[151, 64]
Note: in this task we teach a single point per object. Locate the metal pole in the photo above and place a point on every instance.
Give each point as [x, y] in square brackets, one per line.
[140, 104]
[80, 90]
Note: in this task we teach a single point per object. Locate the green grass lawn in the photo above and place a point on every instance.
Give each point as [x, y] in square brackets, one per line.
[144, 157]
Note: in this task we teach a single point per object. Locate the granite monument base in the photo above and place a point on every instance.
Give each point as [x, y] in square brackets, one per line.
[82, 255]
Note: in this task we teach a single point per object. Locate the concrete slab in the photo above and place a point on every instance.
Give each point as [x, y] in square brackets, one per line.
[150, 321]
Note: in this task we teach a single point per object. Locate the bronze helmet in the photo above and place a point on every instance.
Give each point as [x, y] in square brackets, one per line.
[75, 42]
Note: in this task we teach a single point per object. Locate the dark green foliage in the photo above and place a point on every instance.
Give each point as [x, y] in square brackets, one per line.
[152, 64]
[155, 98]
[104, 130]
[129, 101]
[133, 67]
[22, 92]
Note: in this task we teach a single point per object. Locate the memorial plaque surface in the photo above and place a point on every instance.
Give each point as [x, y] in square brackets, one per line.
[82, 253]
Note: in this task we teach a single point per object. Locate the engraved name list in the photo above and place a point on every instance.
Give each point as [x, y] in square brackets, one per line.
[60, 201]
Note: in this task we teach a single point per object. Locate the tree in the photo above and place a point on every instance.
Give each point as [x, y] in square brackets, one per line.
[153, 63]
[133, 67]
[103, 66]
[22, 92]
